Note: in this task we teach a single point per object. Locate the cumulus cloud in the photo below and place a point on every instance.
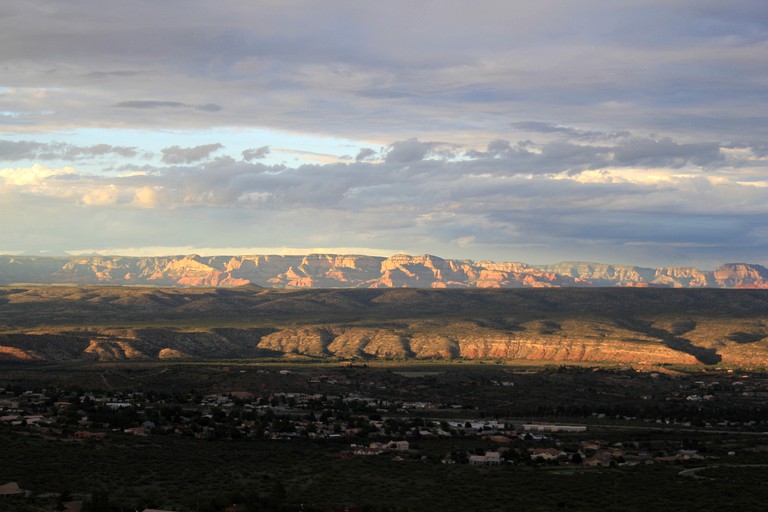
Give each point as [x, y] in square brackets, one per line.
[365, 154]
[473, 204]
[32, 176]
[100, 196]
[256, 153]
[407, 151]
[178, 155]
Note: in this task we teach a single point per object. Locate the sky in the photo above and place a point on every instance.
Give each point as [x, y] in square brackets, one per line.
[628, 132]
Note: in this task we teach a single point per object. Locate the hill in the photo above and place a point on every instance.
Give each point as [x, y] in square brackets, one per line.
[624, 325]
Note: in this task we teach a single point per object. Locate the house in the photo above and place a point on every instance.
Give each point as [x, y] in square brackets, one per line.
[85, 434]
[136, 431]
[590, 445]
[118, 405]
[530, 427]
[362, 450]
[73, 506]
[689, 454]
[546, 454]
[400, 446]
[598, 460]
[10, 490]
[448, 459]
[492, 458]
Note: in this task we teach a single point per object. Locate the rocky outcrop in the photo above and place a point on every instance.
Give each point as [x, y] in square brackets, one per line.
[741, 275]
[572, 342]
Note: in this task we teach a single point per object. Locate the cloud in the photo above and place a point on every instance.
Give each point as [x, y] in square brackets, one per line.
[255, 154]
[228, 251]
[11, 150]
[365, 154]
[108, 195]
[557, 125]
[666, 153]
[581, 73]
[407, 151]
[178, 155]
[451, 207]
[568, 132]
[108, 74]
[32, 176]
[31, 150]
[143, 104]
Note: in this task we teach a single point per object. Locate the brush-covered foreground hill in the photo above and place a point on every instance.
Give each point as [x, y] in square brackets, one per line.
[350, 271]
[628, 325]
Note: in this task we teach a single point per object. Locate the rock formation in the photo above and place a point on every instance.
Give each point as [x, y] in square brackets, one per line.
[357, 271]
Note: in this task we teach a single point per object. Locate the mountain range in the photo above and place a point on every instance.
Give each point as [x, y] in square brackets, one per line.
[360, 271]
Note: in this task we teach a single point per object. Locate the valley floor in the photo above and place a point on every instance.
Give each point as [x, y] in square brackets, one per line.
[460, 436]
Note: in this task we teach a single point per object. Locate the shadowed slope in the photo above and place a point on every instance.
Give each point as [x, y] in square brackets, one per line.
[609, 324]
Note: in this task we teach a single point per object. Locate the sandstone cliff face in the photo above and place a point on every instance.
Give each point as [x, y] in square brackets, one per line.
[683, 277]
[357, 271]
[603, 274]
[741, 275]
[456, 340]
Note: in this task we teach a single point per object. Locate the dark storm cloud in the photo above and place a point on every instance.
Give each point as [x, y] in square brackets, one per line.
[178, 155]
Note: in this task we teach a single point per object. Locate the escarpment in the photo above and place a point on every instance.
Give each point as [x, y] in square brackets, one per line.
[361, 271]
[575, 342]
[608, 325]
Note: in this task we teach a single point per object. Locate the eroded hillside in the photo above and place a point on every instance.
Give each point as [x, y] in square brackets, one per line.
[639, 326]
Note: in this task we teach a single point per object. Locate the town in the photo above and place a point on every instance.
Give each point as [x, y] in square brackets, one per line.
[489, 417]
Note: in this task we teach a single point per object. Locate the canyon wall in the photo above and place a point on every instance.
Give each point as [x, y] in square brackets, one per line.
[359, 271]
